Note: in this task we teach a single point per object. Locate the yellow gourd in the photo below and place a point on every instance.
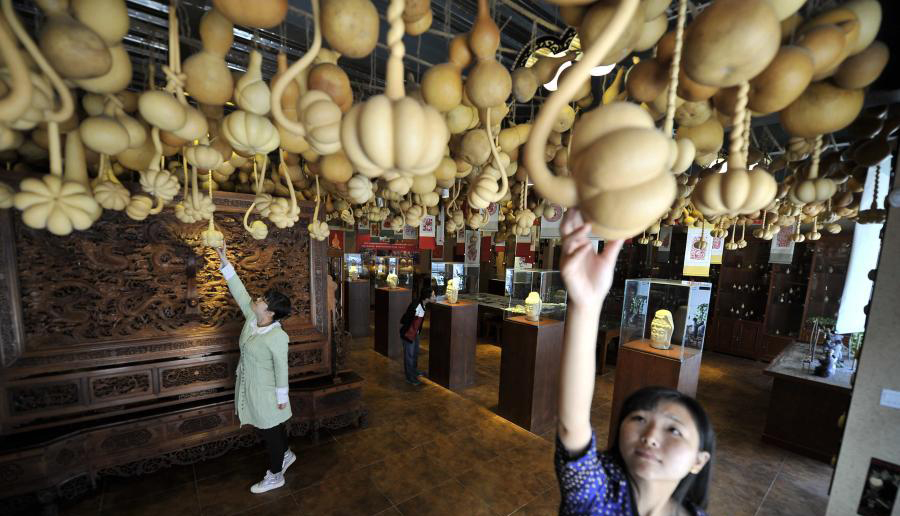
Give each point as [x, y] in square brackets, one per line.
[861, 70]
[489, 83]
[786, 77]
[350, 26]
[258, 14]
[208, 78]
[333, 80]
[821, 109]
[251, 93]
[72, 48]
[17, 99]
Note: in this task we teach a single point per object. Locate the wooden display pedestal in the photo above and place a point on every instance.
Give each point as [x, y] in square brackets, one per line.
[529, 372]
[390, 303]
[356, 299]
[640, 365]
[451, 352]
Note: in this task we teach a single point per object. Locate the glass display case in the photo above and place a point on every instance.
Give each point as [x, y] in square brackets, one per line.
[547, 283]
[354, 261]
[687, 302]
[442, 272]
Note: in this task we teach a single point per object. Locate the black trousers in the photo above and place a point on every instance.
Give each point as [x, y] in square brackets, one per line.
[276, 445]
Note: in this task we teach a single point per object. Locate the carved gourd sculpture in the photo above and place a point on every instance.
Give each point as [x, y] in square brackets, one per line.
[607, 140]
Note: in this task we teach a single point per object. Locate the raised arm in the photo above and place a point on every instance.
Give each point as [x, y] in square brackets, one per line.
[235, 286]
[588, 277]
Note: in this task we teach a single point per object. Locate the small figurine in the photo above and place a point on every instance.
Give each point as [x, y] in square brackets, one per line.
[392, 280]
[533, 305]
[661, 330]
[354, 273]
[834, 350]
[453, 291]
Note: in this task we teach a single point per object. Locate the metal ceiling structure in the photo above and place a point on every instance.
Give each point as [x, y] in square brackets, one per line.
[521, 23]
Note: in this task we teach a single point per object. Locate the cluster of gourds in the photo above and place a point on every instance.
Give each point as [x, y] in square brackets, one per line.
[451, 144]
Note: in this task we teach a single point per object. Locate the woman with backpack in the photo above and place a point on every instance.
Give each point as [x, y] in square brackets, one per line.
[410, 326]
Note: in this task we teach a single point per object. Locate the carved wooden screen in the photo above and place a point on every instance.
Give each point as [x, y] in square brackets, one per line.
[129, 315]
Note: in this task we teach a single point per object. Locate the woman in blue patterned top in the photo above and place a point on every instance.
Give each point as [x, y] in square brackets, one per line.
[660, 460]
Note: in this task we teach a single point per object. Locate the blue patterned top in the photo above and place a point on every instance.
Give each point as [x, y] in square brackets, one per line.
[594, 484]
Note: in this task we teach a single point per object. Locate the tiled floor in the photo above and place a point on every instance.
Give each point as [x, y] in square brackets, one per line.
[430, 451]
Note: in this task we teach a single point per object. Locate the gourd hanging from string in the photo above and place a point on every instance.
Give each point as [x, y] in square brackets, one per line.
[207, 75]
[488, 83]
[156, 180]
[611, 138]
[211, 237]
[53, 202]
[391, 134]
[737, 191]
[318, 229]
[484, 190]
[685, 149]
[258, 229]
[813, 188]
[247, 129]
[168, 109]
[319, 117]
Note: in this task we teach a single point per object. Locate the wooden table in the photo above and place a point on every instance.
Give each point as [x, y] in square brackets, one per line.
[451, 343]
[529, 372]
[357, 305]
[640, 365]
[804, 408]
[390, 303]
[604, 337]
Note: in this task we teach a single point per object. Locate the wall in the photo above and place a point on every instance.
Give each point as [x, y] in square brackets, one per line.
[873, 430]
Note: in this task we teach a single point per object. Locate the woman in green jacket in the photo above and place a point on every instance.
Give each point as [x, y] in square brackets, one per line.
[261, 386]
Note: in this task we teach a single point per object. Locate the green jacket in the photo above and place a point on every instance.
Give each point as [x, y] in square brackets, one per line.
[262, 373]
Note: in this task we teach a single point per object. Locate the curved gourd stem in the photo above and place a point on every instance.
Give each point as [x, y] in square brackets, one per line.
[675, 68]
[561, 190]
[817, 151]
[736, 159]
[107, 170]
[503, 179]
[295, 209]
[196, 193]
[253, 204]
[66, 104]
[212, 226]
[292, 72]
[156, 163]
[15, 103]
[160, 204]
[393, 87]
[184, 169]
[733, 231]
[764, 219]
[797, 232]
[316, 211]
[743, 230]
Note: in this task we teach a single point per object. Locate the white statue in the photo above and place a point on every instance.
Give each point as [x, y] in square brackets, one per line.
[661, 330]
[354, 273]
[392, 280]
[533, 305]
[453, 291]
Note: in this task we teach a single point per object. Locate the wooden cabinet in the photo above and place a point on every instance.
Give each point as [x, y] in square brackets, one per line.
[736, 337]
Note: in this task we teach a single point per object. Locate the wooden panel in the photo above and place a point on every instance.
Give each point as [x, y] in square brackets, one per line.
[640, 366]
[724, 337]
[746, 333]
[390, 303]
[451, 341]
[357, 303]
[803, 417]
[529, 372]
[770, 346]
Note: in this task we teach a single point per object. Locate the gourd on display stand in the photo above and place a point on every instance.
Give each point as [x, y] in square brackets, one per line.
[661, 329]
[533, 306]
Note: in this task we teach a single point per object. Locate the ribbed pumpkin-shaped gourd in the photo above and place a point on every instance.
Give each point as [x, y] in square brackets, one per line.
[489, 82]
[321, 118]
[250, 134]
[392, 133]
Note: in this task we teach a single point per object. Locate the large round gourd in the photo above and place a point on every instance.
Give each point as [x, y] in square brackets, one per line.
[861, 70]
[868, 13]
[731, 41]
[823, 108]
[108, 18]
[71, 47]
[258, 14]
[350, 26]
[597, 19]
[786, 77]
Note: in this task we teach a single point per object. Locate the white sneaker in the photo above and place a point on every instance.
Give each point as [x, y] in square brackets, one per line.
[289, 459]
[269, 482]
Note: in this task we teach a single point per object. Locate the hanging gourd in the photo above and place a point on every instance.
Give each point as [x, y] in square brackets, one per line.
[251, 93]
[861, 70]
[737, 191]
[208, 78]
[289, 141]
[847, 21]
[595, 23]
[71, 47]
[16, 77]
[822, 108]
[321, 118]
[785, 79]
[349, 26]
[250, 134]
[442, 86]
[813, 188]
[109, 19]
[489, 83]
[318, 229]
[717, 46]
[211, 237]
[156, 180]
[333, 80]
[391, 133]
[417, 16]
[258, 14]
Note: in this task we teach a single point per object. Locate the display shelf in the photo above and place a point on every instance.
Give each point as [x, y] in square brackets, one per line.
[687, 301]
[442, 272]
[830, 260]
[547, 283]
